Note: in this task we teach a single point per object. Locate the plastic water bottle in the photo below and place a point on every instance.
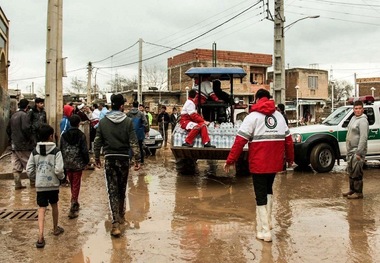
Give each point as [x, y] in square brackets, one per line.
[197, 142]
[231, 140]
[224, 143]
[217, 139]
[177, 139]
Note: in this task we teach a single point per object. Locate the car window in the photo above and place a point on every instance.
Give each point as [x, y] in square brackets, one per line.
[367, 111]
[370, 115]
[337, 116]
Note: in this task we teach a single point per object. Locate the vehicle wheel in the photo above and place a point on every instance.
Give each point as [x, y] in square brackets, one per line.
[322, 158]
[186, 166]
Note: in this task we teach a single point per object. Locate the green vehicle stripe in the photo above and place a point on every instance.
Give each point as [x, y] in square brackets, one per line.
[374, 134]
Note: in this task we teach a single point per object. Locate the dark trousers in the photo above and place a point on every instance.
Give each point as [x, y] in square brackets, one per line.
[116, 173]
[355, 172]
[262, 184]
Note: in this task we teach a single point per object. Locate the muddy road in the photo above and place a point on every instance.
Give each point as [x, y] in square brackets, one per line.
[174, 218]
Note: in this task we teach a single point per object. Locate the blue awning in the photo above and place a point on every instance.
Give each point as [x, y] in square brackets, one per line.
[216, 73]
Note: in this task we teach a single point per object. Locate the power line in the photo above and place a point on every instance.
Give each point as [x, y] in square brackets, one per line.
[191, 40]
[116, 53]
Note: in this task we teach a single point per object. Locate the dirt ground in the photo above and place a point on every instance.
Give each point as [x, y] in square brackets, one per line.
[174, 218]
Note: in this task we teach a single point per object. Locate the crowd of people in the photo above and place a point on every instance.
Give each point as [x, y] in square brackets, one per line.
[119, 137]
[49, 165]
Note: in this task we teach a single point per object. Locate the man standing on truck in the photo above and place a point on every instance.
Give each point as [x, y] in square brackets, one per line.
[356, 143]
[269, 140]
[193, 122]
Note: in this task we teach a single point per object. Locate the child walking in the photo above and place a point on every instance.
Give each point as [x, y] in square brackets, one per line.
[75, 157]
[45, 166]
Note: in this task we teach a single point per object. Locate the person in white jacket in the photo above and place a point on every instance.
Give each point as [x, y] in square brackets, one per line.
[45, 166]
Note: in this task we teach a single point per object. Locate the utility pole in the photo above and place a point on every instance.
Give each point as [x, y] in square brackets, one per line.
[54, 67]
[214, 55]
[89, 74]
[332, 83]
[279, 53]
[139, 88]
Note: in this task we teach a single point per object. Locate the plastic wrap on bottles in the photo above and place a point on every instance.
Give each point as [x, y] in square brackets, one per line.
[198, 142]
[217, 141]
[177, 139]
[224, 141]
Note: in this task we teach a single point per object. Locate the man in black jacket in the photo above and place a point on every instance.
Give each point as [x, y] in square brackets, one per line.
[20, 131]
[37, 117]
[116, 135]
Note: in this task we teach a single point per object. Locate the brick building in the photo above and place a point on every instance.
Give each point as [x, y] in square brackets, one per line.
[255, 65]
[365, 86]
[312, 92]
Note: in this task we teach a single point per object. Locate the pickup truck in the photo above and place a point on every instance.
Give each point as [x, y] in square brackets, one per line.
[323, 144]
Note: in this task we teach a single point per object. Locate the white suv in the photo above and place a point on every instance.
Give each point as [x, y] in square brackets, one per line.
[320, 145]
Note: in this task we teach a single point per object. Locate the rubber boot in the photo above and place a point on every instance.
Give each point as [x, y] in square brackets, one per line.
[352, 189]
[17, 178]
[259, 233]
[269, 210]
[266, 234]
[115, 231]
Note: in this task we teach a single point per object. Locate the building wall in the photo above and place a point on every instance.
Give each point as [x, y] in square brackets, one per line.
[300, 77]
[4, 96]
[255, 65]
[365, 85]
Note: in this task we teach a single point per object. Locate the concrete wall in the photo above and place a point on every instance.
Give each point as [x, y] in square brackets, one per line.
[5, 113]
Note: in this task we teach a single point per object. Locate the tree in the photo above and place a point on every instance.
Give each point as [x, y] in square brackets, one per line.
[121, 83]
[342, 90]
[155, 77]
[78, 86]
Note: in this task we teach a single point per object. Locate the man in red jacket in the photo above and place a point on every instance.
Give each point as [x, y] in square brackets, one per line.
[194, 123]
[269, 140]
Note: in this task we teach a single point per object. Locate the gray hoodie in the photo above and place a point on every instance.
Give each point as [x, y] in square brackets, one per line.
[116, 135]
[45, 166]
[357, 135]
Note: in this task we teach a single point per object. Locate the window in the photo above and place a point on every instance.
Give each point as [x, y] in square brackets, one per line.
[313, 82]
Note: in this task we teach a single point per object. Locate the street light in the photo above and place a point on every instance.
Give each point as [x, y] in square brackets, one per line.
[332, 95]
[279, 51]
[303, 18]
[297, 88]
[187, 92]
[373, 91]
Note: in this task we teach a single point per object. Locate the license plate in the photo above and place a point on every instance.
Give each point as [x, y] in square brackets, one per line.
[149, 141]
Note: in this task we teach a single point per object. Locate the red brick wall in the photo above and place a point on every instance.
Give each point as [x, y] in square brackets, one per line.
[231, 56]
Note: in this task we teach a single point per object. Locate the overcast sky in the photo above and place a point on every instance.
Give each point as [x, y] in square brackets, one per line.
[345, 38]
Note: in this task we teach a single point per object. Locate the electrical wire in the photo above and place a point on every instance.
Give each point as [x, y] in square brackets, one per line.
[192, 39]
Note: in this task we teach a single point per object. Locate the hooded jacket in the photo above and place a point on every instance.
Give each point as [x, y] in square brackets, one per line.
[268, 138]
[140, 124]
[74, 150]
[357, 135]
[45, 167]
[65, 124]
[116, 135]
